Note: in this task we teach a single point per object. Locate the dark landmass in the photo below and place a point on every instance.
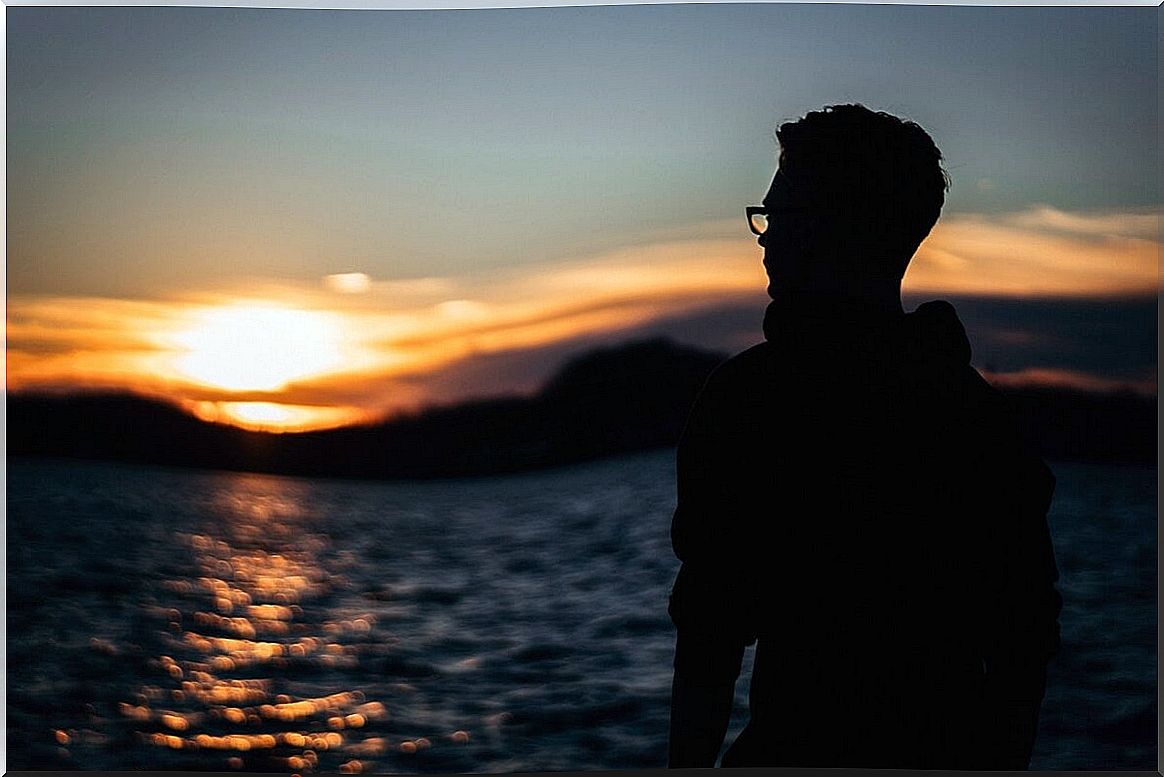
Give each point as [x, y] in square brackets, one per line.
[611, 401]
[1117, 427]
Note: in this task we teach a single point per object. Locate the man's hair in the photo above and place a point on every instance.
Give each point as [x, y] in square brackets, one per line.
[877, 174]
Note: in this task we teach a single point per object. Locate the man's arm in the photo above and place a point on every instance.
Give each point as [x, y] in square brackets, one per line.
[701, 700]
[709, 649]
[711, 599]
[1026, 635]
[1023, 630]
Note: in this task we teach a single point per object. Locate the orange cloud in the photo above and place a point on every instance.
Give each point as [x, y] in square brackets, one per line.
[1041, 252]
[348, 282]
[298, 356]
[1068, 379]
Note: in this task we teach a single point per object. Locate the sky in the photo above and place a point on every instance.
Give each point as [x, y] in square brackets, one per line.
[292, 219]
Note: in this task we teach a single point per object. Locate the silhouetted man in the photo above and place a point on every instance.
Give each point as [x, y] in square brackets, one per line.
[853, 497]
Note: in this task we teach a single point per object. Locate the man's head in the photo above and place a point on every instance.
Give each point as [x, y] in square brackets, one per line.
[856, 193]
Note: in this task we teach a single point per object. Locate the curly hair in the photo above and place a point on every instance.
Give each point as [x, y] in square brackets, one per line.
[866, 165]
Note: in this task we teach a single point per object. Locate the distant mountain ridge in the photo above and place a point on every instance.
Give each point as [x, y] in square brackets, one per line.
[605, 402]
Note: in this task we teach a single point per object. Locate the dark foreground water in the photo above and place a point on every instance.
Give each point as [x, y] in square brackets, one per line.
[164, 618]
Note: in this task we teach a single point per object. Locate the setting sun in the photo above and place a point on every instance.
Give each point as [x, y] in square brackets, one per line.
[275, 416]
[258, 348]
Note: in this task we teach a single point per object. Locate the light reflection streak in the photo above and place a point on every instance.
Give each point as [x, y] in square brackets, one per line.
[249, 618]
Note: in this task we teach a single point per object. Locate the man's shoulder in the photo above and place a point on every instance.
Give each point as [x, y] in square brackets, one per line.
[738, 384]
[745, 366]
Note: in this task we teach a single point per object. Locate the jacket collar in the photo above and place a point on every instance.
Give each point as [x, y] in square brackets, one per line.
[932, 331]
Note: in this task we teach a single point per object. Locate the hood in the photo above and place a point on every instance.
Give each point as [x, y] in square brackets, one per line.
[932, 333]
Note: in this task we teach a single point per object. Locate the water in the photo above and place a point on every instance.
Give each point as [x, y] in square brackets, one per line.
[163, 618]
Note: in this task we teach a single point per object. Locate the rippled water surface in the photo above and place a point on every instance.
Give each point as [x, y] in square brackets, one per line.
[166, 618]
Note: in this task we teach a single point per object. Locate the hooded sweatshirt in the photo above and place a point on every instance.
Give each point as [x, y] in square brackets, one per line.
[853, 497]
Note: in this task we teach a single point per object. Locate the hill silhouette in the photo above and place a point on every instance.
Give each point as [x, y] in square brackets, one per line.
[605, 402]
[608, 401]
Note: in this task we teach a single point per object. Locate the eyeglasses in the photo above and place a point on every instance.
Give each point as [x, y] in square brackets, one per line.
[758, 216]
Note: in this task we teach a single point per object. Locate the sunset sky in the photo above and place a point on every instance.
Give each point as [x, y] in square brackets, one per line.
[293, 219]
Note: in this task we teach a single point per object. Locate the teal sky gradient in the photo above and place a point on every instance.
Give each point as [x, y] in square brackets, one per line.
[154, 150]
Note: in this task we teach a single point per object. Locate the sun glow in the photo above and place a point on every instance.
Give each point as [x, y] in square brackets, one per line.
[258, 347]
[275, 416]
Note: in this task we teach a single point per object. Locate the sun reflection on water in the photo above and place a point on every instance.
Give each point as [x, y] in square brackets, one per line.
[250, 621]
